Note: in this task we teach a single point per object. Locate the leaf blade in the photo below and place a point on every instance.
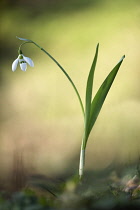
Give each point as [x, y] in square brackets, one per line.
[101, 95]
[89, 87]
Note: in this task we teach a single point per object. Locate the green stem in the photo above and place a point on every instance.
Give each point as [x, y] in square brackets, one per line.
[63, 70]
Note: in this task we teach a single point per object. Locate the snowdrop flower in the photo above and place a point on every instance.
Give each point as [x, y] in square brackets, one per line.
[22, 60]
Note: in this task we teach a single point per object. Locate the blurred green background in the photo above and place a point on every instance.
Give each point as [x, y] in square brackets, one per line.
[40, 116]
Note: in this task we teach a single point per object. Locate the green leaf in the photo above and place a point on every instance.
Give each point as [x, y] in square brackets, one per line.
[89, 88]
[101, 95]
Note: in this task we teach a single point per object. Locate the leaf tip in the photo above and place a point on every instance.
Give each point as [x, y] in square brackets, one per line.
[121, 59]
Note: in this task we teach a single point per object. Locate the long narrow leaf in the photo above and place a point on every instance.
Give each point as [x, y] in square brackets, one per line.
[89, 88]
[101, 95]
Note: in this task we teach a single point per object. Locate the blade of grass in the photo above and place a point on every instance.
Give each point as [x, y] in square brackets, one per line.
[89, 88]
[87, 110]
[101, 95]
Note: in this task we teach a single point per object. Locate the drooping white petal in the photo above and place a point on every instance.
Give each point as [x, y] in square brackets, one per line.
[23, 66]
[14, 64]
[28, 60]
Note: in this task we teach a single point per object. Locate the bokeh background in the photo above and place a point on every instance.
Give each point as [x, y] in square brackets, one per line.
[40, 117]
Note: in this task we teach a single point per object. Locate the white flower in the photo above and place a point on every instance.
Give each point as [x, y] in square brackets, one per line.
[22, 60]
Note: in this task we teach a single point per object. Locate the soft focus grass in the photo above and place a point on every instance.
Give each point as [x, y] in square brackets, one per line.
[41, 114]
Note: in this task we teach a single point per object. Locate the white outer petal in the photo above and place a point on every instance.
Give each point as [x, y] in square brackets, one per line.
[28, 60]
[14, 64]
[23, 66]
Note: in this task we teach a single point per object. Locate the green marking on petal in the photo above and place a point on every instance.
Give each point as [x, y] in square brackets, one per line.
[22, 62]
